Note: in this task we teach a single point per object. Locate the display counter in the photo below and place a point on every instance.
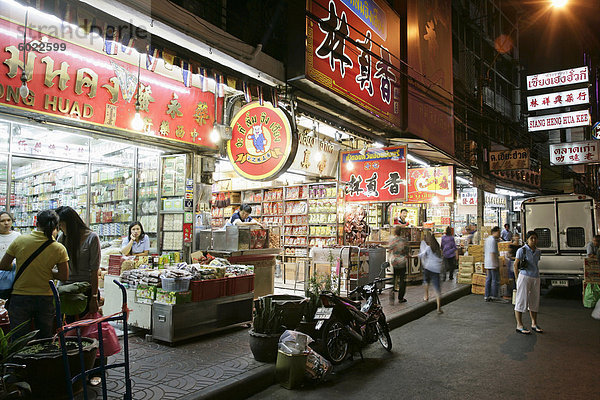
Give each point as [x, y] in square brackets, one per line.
[263, 261]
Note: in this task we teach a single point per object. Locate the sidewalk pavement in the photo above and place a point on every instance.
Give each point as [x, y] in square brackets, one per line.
[221, 365]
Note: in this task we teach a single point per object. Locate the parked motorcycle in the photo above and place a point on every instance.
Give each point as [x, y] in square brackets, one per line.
[345, 325]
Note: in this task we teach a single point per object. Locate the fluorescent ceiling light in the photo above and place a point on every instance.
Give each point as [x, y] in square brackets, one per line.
[510, 193]
[460, 179]
[416, 160]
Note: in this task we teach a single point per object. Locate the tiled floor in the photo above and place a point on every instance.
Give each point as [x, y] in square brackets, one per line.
[159, 371]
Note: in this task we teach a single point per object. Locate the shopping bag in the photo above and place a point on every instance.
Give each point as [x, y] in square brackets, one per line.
[596, 312]
[591, 295]
[109, 336]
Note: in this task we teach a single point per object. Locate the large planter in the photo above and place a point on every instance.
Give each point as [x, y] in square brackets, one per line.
[292, 309]
[264, 346]
[45, 371]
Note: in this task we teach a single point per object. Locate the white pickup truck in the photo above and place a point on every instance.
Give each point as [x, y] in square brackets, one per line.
[565, 224]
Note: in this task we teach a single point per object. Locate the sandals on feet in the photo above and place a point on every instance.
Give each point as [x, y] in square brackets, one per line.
[523, 331]
[537, 329]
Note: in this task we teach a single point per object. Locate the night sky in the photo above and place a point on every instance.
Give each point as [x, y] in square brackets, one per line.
[554, 39]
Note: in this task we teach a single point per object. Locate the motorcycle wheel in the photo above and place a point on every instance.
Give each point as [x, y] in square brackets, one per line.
[335, 344]
[383, 334]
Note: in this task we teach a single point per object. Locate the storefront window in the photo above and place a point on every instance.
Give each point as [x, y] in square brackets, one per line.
[111, 201]
[4, 136]
[111, 152]
[3, 177]
[46, 142]
[41, 184]
[147, 193]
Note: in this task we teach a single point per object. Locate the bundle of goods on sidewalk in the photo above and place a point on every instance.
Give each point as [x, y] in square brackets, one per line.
[591, 283]
[471, 269]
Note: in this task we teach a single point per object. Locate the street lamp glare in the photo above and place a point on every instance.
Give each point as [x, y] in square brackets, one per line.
[559, 3]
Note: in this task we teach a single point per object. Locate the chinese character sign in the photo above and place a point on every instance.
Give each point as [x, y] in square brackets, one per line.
[559, 121]
[575, 153]
[378, 175]
[468, 197]
[426, 183]
[509, 159]
[558, 99]
[84, 84]
[353, 49]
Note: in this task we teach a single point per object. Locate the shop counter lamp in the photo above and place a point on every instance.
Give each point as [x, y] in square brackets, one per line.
[137, 123]
[215, 135]
[24, 90]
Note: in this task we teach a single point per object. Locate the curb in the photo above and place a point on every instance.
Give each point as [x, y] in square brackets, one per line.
[260, 378]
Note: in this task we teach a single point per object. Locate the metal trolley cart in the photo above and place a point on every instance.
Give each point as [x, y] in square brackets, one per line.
[76, 326]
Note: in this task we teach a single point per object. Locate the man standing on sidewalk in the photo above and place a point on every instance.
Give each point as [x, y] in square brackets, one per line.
[492, 265]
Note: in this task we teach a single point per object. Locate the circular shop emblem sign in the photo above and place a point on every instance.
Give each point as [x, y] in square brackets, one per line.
[262, 146]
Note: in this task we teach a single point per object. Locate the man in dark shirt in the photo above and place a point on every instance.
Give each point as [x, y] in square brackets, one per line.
[242, 216]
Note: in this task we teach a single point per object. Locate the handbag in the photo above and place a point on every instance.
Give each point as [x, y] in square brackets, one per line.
[110, 340]
[26, 264]
[523, 264]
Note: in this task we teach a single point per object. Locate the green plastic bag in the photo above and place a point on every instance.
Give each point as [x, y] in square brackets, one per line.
[591, 295]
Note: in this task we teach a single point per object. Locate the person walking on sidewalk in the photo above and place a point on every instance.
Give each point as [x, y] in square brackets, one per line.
[528, 283]
[492, 265]
[399, 250]
[431, 258]
[450, 252]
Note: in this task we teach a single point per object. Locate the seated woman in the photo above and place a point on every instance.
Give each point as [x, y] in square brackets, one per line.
[137, 243]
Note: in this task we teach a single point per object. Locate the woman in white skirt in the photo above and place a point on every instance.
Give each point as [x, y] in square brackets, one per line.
[528, 283]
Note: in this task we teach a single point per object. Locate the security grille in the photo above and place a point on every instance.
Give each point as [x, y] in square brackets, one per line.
[575, 237]
[544, 239]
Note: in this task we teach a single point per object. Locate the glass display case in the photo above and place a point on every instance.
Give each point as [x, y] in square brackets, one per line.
[173, 199]
[147, 194]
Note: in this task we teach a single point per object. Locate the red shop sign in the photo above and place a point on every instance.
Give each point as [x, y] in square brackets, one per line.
[378, 175]
[84, 84]
[262, 145]
[353, 50]
[426, 183]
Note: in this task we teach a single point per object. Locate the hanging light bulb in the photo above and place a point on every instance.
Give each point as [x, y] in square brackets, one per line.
[137, 123]
[24, 90]
[215, 136]
[350, 166]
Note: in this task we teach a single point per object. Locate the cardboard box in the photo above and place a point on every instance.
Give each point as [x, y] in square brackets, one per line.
[145, 292]
[465, 276]
[465, 269]
[479, 268]
[478, 279]
[466, 259]
[464, 281]
[477, 289]
[164, 297]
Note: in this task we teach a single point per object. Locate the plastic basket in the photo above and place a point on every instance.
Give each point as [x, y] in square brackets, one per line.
[175, 284]
[240, 284]
[208, 289]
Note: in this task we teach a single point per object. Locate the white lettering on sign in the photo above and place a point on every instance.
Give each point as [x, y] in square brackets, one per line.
[575, 153]
[559, 121]
[558, 99]
[557, 78]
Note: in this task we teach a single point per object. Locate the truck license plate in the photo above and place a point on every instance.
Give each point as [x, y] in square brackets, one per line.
[560, 283]
[323, 313]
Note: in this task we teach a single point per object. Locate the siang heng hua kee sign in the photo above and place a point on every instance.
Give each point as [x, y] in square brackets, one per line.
[75, 79]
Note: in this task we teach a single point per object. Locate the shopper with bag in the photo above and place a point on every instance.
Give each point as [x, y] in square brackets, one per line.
[7, 235]
[399, 253]
[83, 247]
[37, 254]
[528, 283]
[431, 258]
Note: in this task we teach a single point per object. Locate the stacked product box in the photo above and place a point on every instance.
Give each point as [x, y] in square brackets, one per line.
[476, 251]
[478, 284]
[465, 269]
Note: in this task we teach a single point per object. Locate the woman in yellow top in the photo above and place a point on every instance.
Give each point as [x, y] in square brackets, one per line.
[31, 295]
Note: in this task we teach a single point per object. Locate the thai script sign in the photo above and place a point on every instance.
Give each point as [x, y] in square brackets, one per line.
[509, 159]
[557, 78]
[86, 85]
[376, 175]
[575, 153]
[262, 145]
[558, 99]
[316, 155]
[353, 50]
[559, 121]
[468, 197]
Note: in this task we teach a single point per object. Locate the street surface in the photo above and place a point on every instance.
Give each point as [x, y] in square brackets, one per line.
[473, 352]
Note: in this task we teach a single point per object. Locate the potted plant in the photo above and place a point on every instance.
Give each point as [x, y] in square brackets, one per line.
[266, 329]
[45, 369]
[10, 386]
